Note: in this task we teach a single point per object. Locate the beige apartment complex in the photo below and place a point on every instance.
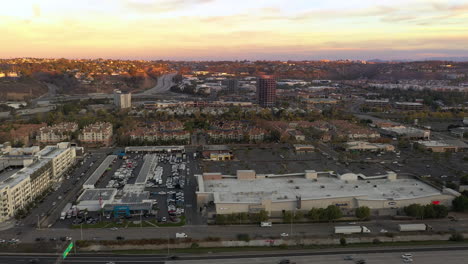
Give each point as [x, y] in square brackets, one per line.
[97, 134]
[19, 187]
[57, 133]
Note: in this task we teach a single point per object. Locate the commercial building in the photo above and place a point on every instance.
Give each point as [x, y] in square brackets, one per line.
[132, 200]
[122, 100]
[367, 146]
[19, 187]
[97, 134]
[266, 91]
[409, 106]
[459, 131]
[406, 132]
[57, 133]
[443, 145]
[377, 102]
[250, 192]
[97, 174]
[155, 149]
[217, 152]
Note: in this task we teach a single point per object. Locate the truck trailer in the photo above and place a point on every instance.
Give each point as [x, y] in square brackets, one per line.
[63, 214]
[413, 227]
[351, 229]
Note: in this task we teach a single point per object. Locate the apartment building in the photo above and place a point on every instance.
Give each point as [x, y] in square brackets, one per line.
[57, 133]
[62, 156]
[19, 187]
[122, 100]
[97, 134]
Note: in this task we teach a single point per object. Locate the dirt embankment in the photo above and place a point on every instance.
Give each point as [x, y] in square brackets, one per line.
[21, 89]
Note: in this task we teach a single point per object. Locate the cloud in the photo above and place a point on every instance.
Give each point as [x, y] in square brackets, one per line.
[161, 6]
[36, 10]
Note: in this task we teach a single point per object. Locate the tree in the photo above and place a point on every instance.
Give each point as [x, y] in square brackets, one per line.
[460, 204]
[333, 212]
[343, 241]
[287, 216]
[362, 212]
[298, 216]
[261, 216]
[220, 219]
[464, 180]
[414, 210]
[429, 211]
[313, 214]
[441, 210]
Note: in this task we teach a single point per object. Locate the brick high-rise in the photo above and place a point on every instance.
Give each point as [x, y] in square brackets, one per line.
[266, 91]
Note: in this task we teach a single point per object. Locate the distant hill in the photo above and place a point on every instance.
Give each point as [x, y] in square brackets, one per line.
[456, 59]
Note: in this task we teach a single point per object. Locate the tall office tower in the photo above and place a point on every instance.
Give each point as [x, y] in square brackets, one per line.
[232, 85]
[122, 100]
[266, 91]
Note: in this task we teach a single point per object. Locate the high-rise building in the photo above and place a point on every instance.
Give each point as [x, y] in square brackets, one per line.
[266, 91]
[122, 100]
[232, 85]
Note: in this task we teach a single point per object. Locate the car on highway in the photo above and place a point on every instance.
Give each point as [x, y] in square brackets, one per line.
[284, 234]
[114, 228]
[360, 261]
[407, 255]
[348, 257]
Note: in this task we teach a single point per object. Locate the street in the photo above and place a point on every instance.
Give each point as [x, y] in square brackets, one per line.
[383, 255]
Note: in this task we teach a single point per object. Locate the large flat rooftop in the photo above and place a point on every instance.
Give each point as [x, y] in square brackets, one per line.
[91, 181]
[287, 188]
[96, 194]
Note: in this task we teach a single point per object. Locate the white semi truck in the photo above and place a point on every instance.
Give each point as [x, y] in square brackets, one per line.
[67, 207]
[351, 229]
[413, 227]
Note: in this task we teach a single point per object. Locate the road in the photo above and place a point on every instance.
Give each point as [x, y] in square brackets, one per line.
[225, 232]
[382, 255]
[164, 84]
[66, 192]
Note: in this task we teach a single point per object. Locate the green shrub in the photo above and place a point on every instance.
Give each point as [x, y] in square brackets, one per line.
[243, 237]
[456, 237]
[343, 241]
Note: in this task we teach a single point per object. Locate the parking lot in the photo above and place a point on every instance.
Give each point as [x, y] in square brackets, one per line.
[167, 177]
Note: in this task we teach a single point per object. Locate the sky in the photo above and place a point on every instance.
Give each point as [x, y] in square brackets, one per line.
[234, 29]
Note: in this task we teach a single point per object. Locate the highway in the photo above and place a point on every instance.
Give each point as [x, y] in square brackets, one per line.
[449, 254]
[164, 84]
[226, 232]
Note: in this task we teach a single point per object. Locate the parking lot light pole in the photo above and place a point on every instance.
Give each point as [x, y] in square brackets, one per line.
[81, 230]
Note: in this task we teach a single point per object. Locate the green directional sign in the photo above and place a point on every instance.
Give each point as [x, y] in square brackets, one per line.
[67, 250]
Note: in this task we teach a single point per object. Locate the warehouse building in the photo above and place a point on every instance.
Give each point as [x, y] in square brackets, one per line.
[250, 192]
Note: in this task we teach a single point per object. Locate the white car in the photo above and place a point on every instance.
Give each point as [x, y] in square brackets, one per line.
[383, 231]
[114, 228]
[284, 234]
[407, 255]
